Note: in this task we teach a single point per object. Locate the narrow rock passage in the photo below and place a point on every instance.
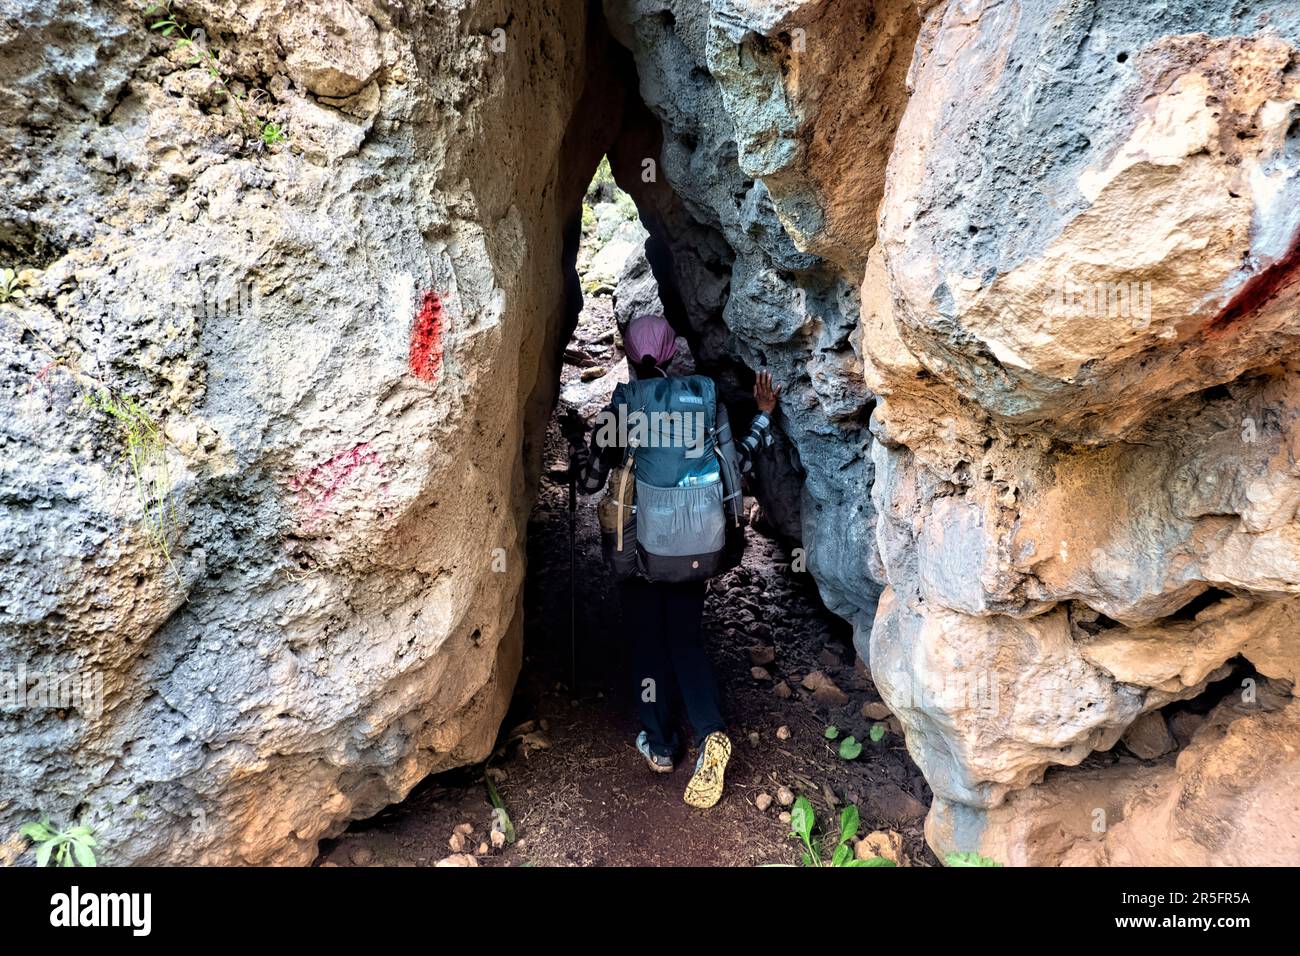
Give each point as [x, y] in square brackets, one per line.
[576, 789]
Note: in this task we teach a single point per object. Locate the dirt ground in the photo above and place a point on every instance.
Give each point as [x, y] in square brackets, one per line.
[576, 790]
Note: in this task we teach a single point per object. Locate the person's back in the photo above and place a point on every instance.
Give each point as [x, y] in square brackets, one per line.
[674, 519]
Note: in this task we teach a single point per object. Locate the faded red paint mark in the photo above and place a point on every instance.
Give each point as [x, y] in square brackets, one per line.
[426, 338]
[317, 486]
[1259, 290]
[42, 378]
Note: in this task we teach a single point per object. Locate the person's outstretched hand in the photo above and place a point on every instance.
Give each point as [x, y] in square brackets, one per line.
[765, 394]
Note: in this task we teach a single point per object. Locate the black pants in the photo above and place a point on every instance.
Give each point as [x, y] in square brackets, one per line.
[663, 624]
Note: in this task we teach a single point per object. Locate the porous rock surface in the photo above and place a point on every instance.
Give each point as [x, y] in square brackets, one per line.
[1027, 271]
[1077, 323]
[342, 336]
[1087, 505]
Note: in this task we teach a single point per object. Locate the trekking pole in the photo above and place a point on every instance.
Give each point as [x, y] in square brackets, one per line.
[574, 430]
[573, 547]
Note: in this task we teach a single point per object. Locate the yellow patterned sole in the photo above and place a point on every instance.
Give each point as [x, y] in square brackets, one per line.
[705, 787]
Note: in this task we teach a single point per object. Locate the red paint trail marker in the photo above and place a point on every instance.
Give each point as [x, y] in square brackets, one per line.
[316, 486]
[1259, 290]
[426, 338]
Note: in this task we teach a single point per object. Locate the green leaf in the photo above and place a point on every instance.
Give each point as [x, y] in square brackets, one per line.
[874, 861]
[849, 821]
[499, 809]
[877, 733]
[43, 853]
[850, 748]
[84, 855]
[843, 854]
[36, 831]
[970, 858]
[801, 820]
[832, 732]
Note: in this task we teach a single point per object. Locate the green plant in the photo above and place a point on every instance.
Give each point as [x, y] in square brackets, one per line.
[625, 205]
[273, 133]
[145, 451]
[68, 847]
[11, 287]
[970, 858]
[831, 732]
[877, 733]
[588, 218]
[850, 748]
[602, 187]
[499, 811]
[803, 823]
[267, 132]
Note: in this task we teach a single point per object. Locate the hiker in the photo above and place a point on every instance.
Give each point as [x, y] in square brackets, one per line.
[670, 520]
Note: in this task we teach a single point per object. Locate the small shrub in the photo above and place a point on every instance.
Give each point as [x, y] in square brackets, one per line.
[625, 205]
[11, 287]
[145, 451]
[500, 815]
[273, 133]
[802, 824]
[602, 187]
[186, 37]
[970, 858]
[70, 847]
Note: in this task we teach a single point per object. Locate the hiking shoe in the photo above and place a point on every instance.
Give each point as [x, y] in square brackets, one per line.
[705, 787]
[658, 762]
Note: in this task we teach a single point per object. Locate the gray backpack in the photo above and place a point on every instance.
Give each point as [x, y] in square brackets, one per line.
[673, 510]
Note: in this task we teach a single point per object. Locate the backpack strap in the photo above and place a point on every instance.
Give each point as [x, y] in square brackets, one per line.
[724, 447]
[622, 491]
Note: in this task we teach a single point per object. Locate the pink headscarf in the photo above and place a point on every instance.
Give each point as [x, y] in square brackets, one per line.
[650, 336]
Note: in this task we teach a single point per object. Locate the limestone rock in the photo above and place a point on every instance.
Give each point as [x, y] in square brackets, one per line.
[1229, 799]
[875, 710]
[1081, 513]
[607, 264]
[346, 338]
[883, 843]
[1148, 737]
[637, 292]
[335, 52]
[1027, 273]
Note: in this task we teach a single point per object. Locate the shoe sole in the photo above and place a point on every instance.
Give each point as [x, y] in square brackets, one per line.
[705, 787]
[656, 767]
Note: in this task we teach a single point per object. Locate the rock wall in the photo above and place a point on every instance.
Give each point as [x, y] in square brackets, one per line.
[345, 338]
[1074, 232]
[772, 145]
[1027, 270]
[1081, 320]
